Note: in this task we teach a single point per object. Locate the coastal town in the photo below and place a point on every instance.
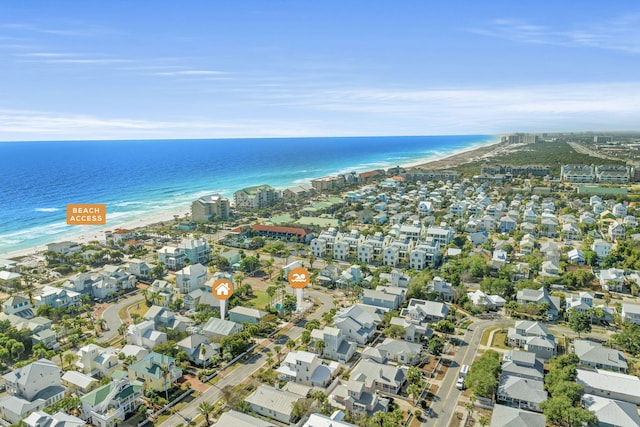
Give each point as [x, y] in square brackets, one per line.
[496, 287]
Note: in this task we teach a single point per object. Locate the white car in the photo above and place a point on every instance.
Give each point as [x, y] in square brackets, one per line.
[460, 383]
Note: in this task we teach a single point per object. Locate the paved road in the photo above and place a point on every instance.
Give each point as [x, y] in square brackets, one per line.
[445, 402]
[246, 368]
[112, 317]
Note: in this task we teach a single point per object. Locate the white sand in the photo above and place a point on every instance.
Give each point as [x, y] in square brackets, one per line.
[93, 233]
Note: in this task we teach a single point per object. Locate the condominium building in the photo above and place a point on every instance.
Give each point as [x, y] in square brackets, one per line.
[210, 208]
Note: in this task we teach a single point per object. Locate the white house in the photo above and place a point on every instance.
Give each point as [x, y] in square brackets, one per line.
[601, 248]
[306, 368]
[630, 313]
[355, 323]
[612, 279]
[336, 346]
[145, 335]
[273, 403]
[97, 361]
[57, 298]
[190, 278]
[31, 388]
[111, 403]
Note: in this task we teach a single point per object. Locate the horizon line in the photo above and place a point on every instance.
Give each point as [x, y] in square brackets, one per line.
[578, 132]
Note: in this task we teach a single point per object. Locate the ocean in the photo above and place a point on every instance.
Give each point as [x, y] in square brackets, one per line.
[140, 178]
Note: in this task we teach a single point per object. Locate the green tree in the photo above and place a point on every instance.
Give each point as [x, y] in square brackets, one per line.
[560, 411]
[628, 338]
[250, 264]
[435, 346]
[414, 391]
[394, 331]
[158, 271]
[299, 408]
[414, 375]
[579, 322]
[69, 359]
[482, 378]
[444, 326]
[206, 408]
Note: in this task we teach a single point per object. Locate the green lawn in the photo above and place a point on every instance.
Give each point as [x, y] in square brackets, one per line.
[260, 299]
[465, 324]
[499, 338]
[485, 335]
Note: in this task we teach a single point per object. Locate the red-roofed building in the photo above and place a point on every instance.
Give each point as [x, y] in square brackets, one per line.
[120, 235]
[277, 232]
[367, 176]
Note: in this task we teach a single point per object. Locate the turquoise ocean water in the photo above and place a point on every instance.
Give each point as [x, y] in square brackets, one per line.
[136, 179]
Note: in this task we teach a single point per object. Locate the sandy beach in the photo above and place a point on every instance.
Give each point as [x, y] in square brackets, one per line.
[462, 157]
[97, 233]
[471, 155]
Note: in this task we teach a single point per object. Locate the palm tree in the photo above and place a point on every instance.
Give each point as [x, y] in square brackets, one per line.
[203, 354]
[206, 408]
[267, 265]
[414, 391]
[165, 374]
[238, 278]
[69, 358]
[271, 292]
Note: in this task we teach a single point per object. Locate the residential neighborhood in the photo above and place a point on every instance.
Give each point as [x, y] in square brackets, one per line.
[527, 275]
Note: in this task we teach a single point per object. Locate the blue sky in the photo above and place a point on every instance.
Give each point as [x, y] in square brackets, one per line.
[215, 69]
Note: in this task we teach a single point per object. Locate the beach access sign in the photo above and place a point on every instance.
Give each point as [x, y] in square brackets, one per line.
[86, 214]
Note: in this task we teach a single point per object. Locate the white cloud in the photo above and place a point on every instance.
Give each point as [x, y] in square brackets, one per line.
[46, 55]
[621, 34]
[24, 125]
[369, 111]
[78, 31]
[190, 73]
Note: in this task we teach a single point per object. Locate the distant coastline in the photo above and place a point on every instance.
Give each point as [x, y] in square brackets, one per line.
[438, 157]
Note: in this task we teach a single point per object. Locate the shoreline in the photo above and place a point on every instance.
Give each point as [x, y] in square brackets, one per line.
[462, 156]
[97, 234]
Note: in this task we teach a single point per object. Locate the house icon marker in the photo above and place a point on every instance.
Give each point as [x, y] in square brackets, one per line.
[222, 289]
